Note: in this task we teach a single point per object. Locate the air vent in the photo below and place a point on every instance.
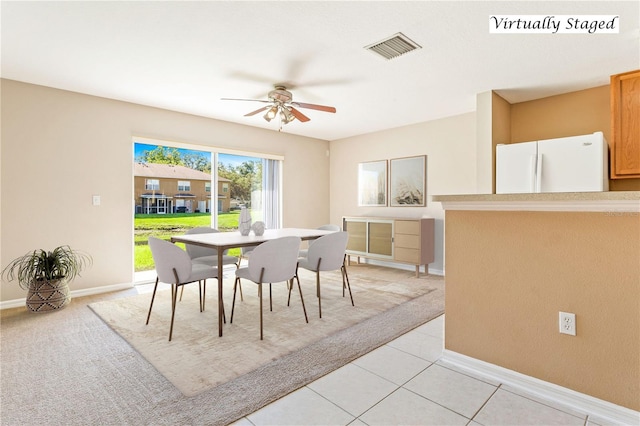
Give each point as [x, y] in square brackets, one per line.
[394, 46]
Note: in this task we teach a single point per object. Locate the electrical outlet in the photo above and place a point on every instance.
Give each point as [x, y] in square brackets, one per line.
[568, 323]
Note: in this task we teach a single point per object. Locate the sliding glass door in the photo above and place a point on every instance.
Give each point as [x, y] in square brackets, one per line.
[175, 190]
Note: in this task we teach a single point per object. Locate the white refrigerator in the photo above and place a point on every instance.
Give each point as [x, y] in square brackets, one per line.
[571, 164]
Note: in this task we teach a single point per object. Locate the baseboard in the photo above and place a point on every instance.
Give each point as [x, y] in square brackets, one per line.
[16, 303]
[544, 390]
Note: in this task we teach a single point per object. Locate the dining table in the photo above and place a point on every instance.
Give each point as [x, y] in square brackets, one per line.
[222, 241]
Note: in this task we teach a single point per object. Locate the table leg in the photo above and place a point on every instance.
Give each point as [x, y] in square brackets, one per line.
[220, 300]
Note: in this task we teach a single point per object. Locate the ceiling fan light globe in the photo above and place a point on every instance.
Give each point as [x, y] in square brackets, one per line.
[286, 115]
[272, 113]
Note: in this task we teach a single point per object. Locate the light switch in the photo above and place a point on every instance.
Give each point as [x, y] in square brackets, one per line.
[96, 200]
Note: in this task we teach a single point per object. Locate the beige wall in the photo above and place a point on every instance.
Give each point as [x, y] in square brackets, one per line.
[500, 130]
[493, 127]
[575, 113]
[451, 168]
[484, 146]
[510, 273]
[64, 147]
[570, 114]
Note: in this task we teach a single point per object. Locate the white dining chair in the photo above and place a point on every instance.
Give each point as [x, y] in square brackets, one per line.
[245, 252]
[174, 267]
[208, 256]
[327, 253]
[327, 227]
[271, 262]
[205, 255]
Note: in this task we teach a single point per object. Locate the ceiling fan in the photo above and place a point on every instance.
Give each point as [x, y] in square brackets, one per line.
[281, 103]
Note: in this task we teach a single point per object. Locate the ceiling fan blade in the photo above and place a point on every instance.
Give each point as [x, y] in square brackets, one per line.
[252, 100]
[314, 106]
[300, 116]
[257, 111]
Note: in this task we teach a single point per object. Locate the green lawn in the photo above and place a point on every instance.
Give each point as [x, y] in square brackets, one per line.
[166, 225]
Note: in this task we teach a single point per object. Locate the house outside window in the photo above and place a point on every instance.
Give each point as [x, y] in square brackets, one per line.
[225, 187]
[207, 186]
[152, 185]
[184, 185]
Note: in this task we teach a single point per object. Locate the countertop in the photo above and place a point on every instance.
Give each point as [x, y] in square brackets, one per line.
[610, 201]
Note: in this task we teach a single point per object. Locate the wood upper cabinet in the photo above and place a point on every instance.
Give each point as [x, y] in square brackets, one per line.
[625, 125]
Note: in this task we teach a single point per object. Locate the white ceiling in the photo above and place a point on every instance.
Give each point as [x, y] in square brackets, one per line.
[185, 56]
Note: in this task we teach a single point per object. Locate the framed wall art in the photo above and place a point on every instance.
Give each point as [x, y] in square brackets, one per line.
[372, 183]
[408, 185]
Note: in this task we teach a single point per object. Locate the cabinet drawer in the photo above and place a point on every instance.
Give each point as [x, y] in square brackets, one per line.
[407, 227]
[407, 255]
[407, 241]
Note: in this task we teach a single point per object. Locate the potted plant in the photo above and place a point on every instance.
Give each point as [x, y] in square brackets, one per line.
[46, 276]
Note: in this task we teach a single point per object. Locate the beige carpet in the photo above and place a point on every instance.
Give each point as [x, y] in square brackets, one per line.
[71, 368]
[197, 360]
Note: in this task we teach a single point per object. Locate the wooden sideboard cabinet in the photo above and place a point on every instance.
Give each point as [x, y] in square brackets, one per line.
[400, 240]
[625, 125]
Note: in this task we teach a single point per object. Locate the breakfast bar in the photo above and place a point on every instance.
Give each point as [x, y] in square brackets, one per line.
[514, 261]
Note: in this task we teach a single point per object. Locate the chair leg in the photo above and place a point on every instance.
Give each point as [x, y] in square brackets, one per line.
[181, 293]
[343, 271]
[301, 298]
[290, 286]
[233, 304]
[260, 296]
[204, 294]
[174, 295]
[199, 293]
[152, 298]
[318, 292]
[346, 276]
[224, 314]
[270, 299]
[240, 284]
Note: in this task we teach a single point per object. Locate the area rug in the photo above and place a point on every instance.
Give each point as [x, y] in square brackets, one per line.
[197, 359]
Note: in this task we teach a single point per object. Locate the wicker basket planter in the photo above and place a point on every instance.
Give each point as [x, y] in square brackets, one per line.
[47, 296]
[46, 276]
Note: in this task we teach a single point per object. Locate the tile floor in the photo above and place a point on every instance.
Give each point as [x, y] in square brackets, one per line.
[403, 383]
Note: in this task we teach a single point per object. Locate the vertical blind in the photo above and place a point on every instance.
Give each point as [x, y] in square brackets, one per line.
[271, 193]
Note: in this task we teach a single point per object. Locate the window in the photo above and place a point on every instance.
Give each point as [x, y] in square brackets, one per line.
[152, 185]
[184, 185]
[225, 187]
[207, 186]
